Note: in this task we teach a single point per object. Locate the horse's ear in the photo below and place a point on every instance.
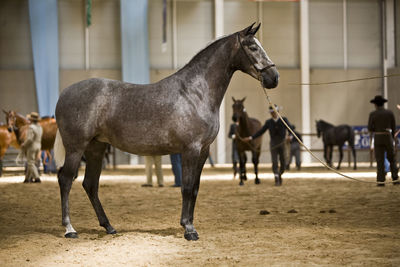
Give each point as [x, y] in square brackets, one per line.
[234, 100]
[253, 31]
[247, 30]
[5, 112]
[244, 98]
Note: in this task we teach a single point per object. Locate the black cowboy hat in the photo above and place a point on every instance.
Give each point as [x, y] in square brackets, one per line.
[378, 100]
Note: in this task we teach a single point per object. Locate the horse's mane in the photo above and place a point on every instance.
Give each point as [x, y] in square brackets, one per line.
[209, 47]
[326, 124]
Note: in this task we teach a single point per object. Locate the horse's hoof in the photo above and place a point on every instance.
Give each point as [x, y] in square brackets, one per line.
[109, 229]
[71, 235]
[111, 232]
[257, 181]
[191, 236]
[241, 183]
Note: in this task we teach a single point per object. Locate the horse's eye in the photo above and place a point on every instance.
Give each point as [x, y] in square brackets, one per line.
[253, 48]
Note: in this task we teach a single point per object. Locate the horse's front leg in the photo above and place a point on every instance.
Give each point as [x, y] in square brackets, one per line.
[255, 159]
[329, 155]
[340, 156]
[192, 166]
[243, 160]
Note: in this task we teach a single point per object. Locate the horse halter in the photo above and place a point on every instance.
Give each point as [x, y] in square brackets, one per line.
[251, 61]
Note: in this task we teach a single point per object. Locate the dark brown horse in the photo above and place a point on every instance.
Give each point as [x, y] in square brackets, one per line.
[247, 127]
[177, 115]
[19, 124]
[335, 136]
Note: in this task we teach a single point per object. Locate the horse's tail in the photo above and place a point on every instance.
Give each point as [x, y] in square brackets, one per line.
[351, 136]
[59, 150]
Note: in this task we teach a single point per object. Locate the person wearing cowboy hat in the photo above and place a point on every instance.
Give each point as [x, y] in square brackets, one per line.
[31, 148]
[277, 132]
[382, 123]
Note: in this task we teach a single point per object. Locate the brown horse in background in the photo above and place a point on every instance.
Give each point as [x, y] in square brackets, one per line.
[19, 124]
[247, 127]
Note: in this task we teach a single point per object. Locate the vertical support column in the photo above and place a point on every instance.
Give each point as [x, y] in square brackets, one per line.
[305, 76]
[43, 17]
[388, 41]
[345, 64]
[219, 31]
[135, 47]
[174, 37]
[260, 20]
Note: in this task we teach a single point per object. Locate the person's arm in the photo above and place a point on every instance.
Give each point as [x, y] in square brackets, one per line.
[29, 138]
[232, 131]
[371, 127]
[261, 131]
[258, 133]
[393, 125]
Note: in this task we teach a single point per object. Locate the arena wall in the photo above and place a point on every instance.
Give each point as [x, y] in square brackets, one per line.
[337, 103]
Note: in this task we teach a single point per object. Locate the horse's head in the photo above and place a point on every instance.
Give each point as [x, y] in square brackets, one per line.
[15, 120]
[10, 119]
[318, 126]
[254, 59]
[238, 109]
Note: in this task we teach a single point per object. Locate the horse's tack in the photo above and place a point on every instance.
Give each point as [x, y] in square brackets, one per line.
[312, 154]
[251, 61]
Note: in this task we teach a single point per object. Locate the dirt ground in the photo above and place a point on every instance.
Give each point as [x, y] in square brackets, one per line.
[331, 222]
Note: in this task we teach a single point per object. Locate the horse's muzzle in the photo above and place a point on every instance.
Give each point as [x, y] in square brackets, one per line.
[9, 129]
[270, 78]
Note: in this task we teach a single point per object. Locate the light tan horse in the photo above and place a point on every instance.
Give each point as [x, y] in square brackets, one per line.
[7, 138]
[19, 124]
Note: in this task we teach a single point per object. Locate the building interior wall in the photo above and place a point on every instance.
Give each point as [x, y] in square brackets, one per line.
[341, 103]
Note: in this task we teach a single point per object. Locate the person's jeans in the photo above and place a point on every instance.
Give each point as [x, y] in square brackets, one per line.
[176, 162]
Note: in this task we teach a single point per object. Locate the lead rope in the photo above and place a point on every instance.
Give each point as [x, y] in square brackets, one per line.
[309, 151]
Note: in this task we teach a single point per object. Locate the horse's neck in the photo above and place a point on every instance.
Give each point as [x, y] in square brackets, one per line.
[21, 121]
[244, 124]
[326, 126]
[214, 65]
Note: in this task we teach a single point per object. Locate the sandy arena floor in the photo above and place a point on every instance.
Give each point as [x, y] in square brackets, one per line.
[332, 221]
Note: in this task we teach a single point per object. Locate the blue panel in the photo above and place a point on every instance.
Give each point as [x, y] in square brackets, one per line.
[134, 39]
[43, 15]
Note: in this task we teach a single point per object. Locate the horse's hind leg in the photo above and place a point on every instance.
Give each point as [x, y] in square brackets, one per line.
[354, 157]
[255, 159]
[340, 156]
[65, 177]
[94, 160]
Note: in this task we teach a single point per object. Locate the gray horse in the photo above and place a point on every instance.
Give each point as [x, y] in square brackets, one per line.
[179, 114]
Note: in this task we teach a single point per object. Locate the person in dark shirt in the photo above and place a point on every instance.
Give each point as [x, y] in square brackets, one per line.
[277, 132]
[382, 123]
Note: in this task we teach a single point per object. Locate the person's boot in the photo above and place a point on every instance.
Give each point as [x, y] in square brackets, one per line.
[277, 180]
[280, 180]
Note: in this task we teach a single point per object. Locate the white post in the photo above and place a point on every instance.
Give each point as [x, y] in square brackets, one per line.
[305, 76]
[388, 42]
[345, 64]
[219, 31]
[260, 19]
[174, 37]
